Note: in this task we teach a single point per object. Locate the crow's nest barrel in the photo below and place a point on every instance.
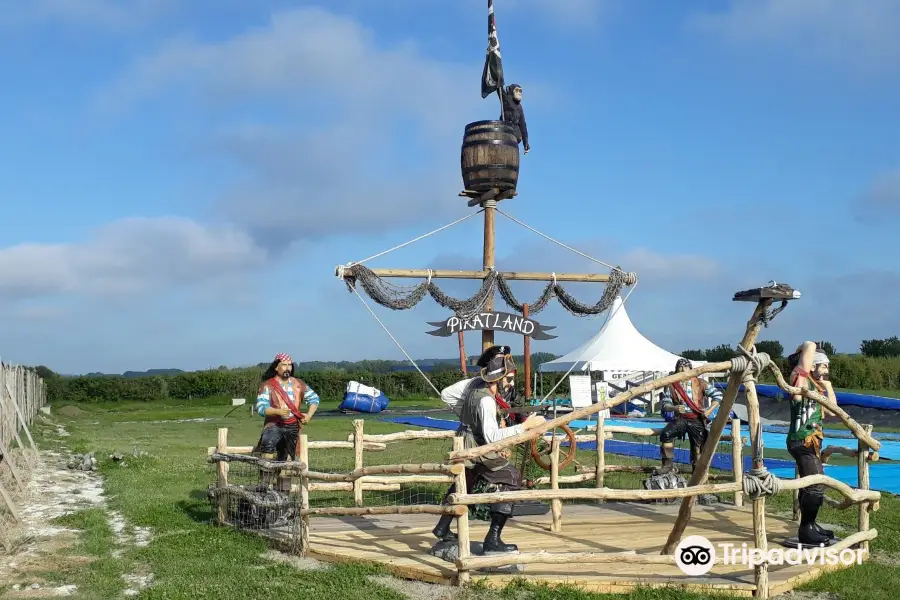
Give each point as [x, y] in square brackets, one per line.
[490, 156]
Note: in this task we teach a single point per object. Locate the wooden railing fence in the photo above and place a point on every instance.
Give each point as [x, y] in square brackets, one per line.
[22, 394]
[304, 481]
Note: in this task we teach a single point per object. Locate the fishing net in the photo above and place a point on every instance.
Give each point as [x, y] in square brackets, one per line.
[398, 297]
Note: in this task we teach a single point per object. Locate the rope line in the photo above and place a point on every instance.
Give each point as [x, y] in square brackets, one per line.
[421, 237]
[609, 316]
[760, 482]
[387, 331]
[555, 241]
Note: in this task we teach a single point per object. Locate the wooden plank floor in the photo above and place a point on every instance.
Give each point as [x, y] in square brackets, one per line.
[402, 543]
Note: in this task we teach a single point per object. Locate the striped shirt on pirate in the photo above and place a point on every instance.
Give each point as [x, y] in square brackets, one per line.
[264, 401]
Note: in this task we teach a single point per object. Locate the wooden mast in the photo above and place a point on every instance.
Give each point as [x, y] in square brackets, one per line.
[487, 336]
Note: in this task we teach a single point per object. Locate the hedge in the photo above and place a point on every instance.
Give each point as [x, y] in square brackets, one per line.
[853, 372]
[243, 383]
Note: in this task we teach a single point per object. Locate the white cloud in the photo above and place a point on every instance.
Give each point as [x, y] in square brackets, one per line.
[861, 34]
[358, 135]
[655, 271]
[312, 56]
[128, 257]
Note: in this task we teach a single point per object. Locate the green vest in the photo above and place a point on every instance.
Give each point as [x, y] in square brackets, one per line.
[806, 416]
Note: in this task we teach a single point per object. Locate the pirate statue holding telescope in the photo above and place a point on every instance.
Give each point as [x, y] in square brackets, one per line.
[481, 404]
[686, 400]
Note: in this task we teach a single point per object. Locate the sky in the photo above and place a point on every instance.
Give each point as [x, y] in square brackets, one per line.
[180, 180]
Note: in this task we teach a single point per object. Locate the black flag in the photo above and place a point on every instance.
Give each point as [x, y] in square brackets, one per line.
[492, 77]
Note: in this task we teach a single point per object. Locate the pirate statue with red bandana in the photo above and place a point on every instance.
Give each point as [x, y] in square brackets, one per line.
[279, 400]
[686, 399]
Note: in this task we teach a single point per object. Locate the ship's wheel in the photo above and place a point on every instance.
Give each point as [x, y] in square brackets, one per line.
[541, 449]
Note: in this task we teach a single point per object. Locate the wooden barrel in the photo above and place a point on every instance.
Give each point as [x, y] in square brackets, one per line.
[490, 156]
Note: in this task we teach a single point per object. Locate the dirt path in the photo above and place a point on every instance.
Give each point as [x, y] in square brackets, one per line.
[38, 546]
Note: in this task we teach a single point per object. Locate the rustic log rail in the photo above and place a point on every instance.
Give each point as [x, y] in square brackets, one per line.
[381, 477]
[851, 496]
[859, 432]
[582, 413]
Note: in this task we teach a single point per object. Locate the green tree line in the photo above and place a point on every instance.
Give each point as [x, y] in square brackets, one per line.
[851, 372]
[878, 368]
[244, 382]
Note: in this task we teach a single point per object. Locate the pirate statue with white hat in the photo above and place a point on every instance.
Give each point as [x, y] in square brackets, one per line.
[809, 369]
[481, 423]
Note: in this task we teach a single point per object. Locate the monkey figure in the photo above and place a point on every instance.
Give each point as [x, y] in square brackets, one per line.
[514, 114]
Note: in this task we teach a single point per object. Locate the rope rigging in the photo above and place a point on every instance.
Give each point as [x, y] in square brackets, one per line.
[405, 297]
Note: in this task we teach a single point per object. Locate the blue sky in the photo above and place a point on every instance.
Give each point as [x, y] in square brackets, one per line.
[179, 180]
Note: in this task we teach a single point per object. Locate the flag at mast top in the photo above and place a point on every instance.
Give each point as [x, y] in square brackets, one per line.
[492, 76]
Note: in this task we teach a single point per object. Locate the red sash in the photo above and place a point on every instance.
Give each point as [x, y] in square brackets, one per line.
[275, 386]
[685, 398]
[505, 406]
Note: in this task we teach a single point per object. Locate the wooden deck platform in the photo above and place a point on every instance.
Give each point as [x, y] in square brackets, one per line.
[402, 543]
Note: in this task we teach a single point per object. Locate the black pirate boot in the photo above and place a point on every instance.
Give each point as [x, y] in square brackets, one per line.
[808, 532]
[667, 456]
[695, 454]
[826, 532]
[492, 542]
[442, 531]
[266, 477]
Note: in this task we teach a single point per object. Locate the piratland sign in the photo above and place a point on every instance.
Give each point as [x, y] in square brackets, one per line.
[494, 321]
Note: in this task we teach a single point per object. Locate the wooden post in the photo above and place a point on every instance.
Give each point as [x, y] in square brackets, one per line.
[303, 456]
[5, 403]
[3, 423]
[462, 521]
[222, 468]
[487, 336]
[10, 505]
[759, 504]
[555, 505]
[462, 354]
[23, 422]
[358, 453]
[527, 357]
[698, 477]
[737, 459]
[8, 461]
[601, 454]
[862, 462]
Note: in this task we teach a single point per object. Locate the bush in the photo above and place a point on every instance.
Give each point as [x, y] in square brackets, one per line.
[855, 372]
[243, 383]
[852, 372]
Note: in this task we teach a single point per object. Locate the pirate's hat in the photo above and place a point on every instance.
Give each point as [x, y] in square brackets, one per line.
[498, 367]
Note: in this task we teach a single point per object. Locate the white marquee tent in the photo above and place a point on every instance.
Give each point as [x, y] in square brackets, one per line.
[617, 349]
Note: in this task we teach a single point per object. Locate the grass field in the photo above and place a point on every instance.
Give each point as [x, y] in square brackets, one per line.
[190, 559]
